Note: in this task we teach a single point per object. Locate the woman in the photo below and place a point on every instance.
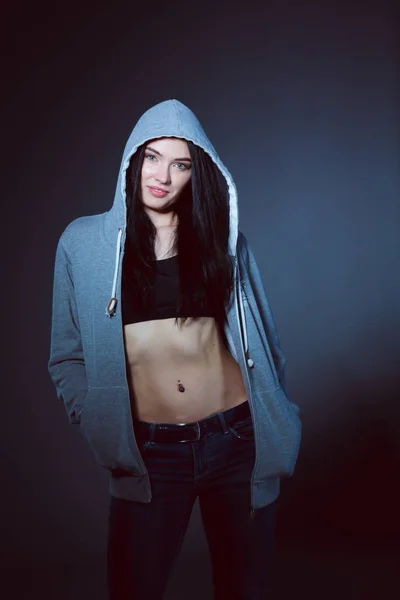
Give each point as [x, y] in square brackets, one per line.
[165, 352]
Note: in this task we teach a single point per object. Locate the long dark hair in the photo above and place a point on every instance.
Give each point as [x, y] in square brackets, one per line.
[201, 238]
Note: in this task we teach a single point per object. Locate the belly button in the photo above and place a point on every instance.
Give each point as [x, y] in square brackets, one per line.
[180, 386]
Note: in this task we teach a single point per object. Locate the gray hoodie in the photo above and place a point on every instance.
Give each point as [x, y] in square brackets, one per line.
[87, 355]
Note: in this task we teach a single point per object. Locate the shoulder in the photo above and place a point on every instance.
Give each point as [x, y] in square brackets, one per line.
[80, 232]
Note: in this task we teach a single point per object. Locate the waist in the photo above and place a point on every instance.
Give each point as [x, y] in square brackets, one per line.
[190, 432]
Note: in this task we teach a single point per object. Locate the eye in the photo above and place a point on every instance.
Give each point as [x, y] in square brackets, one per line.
[180, 165]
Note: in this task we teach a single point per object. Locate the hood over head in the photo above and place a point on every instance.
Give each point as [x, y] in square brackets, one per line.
[170, 118]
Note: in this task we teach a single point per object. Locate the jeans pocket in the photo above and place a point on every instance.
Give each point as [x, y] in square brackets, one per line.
[243, 430]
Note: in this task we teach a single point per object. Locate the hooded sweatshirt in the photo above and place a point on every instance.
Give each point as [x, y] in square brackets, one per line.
[87, 354]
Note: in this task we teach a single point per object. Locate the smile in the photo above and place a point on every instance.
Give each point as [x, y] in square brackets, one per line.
[159, 193]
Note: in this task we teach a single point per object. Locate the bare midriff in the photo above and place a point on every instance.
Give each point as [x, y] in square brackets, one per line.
[160, 356]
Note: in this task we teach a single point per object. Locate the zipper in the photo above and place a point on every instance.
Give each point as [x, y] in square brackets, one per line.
[252, 510]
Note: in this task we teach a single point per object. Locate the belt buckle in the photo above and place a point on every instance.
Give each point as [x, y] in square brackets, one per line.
[197, 433]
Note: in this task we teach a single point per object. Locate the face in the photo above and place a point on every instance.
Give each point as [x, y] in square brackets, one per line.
[166, 170]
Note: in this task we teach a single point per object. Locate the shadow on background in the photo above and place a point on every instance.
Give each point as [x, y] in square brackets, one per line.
[299, 100]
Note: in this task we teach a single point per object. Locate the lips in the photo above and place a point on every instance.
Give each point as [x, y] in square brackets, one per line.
[157, 189]
[157, 192]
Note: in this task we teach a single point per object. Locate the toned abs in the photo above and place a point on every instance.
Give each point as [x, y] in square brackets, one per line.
[161, 356]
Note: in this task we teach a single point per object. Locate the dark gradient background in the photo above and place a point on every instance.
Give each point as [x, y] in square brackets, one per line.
[299, 100]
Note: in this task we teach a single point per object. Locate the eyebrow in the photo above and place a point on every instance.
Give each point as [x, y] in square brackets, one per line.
[159, 154]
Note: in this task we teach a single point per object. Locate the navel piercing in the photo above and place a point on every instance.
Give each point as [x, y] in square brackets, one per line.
[180, 386]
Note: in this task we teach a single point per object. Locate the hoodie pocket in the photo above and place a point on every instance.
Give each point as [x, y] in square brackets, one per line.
[278, 435]
[106, 423]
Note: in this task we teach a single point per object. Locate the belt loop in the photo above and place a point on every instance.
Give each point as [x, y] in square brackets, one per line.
[152, 430]
[223, 422]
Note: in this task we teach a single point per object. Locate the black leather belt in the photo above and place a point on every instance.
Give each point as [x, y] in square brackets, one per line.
[190, 432]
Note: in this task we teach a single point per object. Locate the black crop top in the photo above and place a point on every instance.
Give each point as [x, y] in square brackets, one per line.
[164, 301]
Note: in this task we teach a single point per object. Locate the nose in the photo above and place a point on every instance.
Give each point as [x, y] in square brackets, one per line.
[163, 175]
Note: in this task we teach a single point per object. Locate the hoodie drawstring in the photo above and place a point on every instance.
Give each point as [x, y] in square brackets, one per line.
[112, 305]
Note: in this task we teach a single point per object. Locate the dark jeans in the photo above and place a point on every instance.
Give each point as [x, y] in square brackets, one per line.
[144, 539]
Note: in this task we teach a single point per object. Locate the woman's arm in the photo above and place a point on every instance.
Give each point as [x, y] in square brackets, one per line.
[66, 364]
